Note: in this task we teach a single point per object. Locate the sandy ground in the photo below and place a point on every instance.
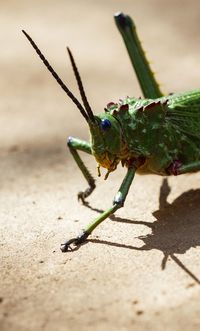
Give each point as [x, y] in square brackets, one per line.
[141, 269]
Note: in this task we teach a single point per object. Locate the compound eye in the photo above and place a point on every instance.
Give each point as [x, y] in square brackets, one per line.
[105, 124]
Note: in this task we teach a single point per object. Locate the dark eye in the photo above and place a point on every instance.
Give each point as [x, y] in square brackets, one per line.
[105, 124]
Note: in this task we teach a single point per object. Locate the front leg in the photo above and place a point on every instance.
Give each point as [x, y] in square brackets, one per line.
[117, 203]
[75, 144]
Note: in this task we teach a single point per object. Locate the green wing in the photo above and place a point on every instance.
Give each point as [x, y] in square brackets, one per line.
[184, 112]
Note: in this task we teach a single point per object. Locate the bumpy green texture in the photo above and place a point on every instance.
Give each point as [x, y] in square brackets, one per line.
[156, 131]
[158, 134]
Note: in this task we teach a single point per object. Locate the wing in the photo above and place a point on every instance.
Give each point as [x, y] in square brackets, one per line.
[184, 112]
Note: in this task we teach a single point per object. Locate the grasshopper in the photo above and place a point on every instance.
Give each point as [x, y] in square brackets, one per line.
[154, 135]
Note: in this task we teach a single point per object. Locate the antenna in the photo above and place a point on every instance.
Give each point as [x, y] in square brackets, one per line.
[57, 78]
[80, 86]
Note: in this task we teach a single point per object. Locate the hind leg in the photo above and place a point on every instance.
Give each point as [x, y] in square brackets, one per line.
[145, 76]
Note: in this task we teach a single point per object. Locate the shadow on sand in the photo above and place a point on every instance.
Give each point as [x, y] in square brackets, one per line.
[175, 230]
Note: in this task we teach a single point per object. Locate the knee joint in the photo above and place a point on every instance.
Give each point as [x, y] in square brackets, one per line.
[69, 141]
[118, 200]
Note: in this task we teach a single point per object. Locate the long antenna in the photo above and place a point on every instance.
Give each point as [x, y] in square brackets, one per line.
[80, 86]
[55, 75]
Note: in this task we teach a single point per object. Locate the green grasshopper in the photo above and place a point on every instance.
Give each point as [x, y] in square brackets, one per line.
[155, 135]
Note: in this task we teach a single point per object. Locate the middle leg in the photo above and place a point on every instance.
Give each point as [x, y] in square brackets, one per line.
[117, 203]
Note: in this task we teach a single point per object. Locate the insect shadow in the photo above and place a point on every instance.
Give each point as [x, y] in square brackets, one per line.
[175, 230]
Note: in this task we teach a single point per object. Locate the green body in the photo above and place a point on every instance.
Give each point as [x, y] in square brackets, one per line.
[158, 134]
[159, 131]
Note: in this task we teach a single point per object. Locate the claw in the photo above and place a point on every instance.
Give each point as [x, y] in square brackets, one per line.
[75, 241]
[66, 246]
[81, 197]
